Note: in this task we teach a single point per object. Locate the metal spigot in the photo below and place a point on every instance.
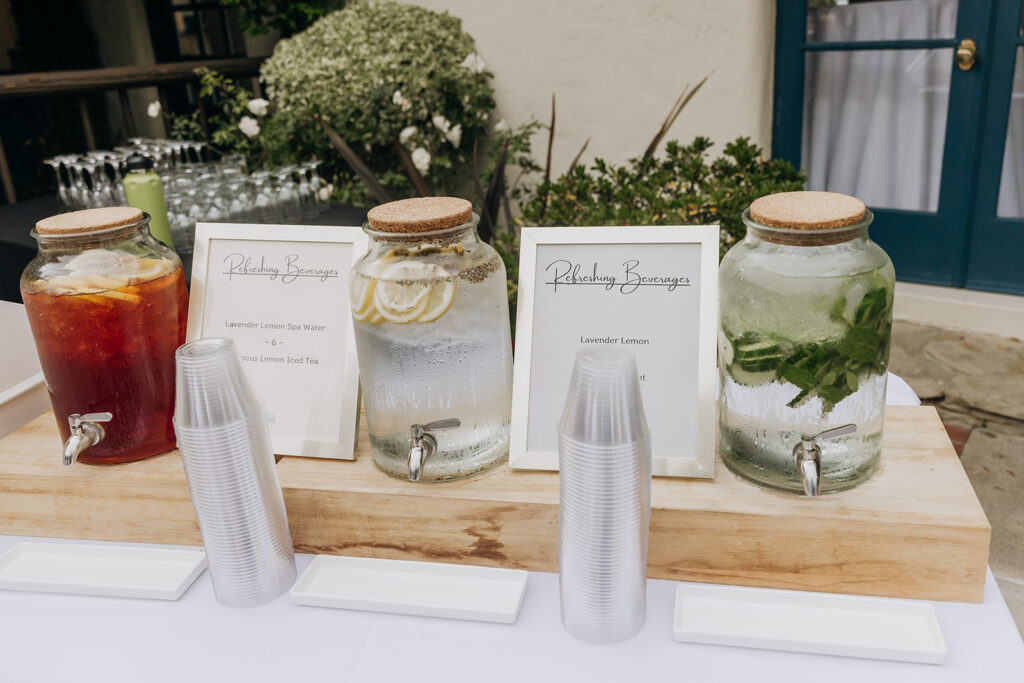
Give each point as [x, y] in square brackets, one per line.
[86, 431]
[424, 444]
[807, 454]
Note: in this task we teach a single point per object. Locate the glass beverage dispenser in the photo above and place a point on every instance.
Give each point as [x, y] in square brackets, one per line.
[803, 346]
[430, 305]
[107, 306]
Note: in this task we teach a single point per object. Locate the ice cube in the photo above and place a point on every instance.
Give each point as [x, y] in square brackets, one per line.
[103, 262]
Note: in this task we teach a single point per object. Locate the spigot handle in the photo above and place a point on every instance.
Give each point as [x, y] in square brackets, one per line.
[86, 431]
[835, 433]
[424, 445]
[450, 423]
[76, 420]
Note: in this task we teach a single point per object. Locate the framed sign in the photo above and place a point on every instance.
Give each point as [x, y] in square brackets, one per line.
[651, 290]
[281, 293]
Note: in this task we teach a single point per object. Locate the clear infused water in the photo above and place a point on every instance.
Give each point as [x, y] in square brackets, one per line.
[757, 433]
[788, 324]
[459, 365]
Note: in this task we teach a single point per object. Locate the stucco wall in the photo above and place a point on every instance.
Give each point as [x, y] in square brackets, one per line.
[617, 66]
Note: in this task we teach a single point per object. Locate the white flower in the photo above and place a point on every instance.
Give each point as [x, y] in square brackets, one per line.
[441, 123]
[454, 135]
[501, 126]
[397, 98]
[249, 126]
[407, 134]
[474, 63]
[153, 110]
[324, 193]
[258, 106]
[421, 159]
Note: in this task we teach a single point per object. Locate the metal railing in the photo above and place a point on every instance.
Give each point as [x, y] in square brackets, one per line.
[122, 79]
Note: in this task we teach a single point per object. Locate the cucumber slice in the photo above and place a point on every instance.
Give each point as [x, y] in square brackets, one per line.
[750, 378]
[759, 364]
[758, 350]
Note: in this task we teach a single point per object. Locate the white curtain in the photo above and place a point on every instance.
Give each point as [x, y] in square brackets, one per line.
[875, 120]
[1011, 186]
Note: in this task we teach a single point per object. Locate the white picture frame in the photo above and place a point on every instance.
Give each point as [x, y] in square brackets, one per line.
[539, 392]
[315, 389]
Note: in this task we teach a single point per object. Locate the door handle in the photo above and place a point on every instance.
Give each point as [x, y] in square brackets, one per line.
[966, 54]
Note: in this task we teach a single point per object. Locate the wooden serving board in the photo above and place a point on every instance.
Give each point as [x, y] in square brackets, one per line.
[914, 530]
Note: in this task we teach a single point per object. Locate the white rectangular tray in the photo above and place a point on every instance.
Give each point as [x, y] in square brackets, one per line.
[109, 570]
[821, 623]
[424, 589]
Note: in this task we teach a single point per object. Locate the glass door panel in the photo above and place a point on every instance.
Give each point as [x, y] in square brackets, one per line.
[995, 258]
[831, 21]
[1011, 183]
[874, 123]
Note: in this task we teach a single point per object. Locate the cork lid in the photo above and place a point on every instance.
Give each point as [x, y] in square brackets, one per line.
[420, 214]
[89, 220]
[807, 210]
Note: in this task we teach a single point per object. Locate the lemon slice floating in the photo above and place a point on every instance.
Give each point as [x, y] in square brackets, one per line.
[403, 292]
[150, 269]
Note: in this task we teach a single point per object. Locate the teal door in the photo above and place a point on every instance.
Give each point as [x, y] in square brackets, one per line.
[917, 107]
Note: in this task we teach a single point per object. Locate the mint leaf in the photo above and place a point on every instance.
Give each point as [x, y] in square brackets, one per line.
[828, 370]
[797, 376]
[860, 344]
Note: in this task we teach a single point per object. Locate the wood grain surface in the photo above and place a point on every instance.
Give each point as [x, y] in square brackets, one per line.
[915, 529]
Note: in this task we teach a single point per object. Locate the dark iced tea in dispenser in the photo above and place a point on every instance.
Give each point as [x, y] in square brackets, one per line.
[107, 306]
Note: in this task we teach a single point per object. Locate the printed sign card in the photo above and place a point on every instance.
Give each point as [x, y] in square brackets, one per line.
[649, 290]
[281, 293]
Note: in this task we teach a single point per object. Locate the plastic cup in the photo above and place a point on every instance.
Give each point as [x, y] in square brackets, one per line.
[229, 464]
[604, 496]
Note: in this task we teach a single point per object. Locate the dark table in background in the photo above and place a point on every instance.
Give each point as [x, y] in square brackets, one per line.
[17, 247]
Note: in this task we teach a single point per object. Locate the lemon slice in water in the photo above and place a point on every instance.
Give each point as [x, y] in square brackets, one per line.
[440, 300]
[361, 295]
[403, 292]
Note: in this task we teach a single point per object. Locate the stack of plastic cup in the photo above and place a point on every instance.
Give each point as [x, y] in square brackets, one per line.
[604, 459]
[229, 463]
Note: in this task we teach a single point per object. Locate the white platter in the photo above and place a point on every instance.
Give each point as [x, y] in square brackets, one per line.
[425, 589]
[109, 570]
[821, 623]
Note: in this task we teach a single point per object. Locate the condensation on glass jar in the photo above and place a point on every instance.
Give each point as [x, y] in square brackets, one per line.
[107, 306]
[804, 326]
[430, 305]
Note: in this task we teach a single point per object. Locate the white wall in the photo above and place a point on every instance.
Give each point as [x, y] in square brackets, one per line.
[616, 67]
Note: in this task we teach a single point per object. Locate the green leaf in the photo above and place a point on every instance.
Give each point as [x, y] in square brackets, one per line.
[800, 399]
[834, 394]
[861, 344]
[838, 312]
[851, 380]
[798, 377]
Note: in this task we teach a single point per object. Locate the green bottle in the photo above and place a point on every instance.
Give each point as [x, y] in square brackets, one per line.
[143, 190]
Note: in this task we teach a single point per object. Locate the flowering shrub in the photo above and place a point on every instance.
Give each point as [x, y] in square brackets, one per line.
[384, 74]
[235, 124]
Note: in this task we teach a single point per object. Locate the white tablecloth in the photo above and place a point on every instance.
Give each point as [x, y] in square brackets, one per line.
[57, 638]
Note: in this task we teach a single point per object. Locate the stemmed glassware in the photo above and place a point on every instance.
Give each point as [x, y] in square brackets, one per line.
[194, 189]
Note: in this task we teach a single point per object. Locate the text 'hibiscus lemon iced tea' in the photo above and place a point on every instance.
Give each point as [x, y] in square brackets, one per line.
[432, 330]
